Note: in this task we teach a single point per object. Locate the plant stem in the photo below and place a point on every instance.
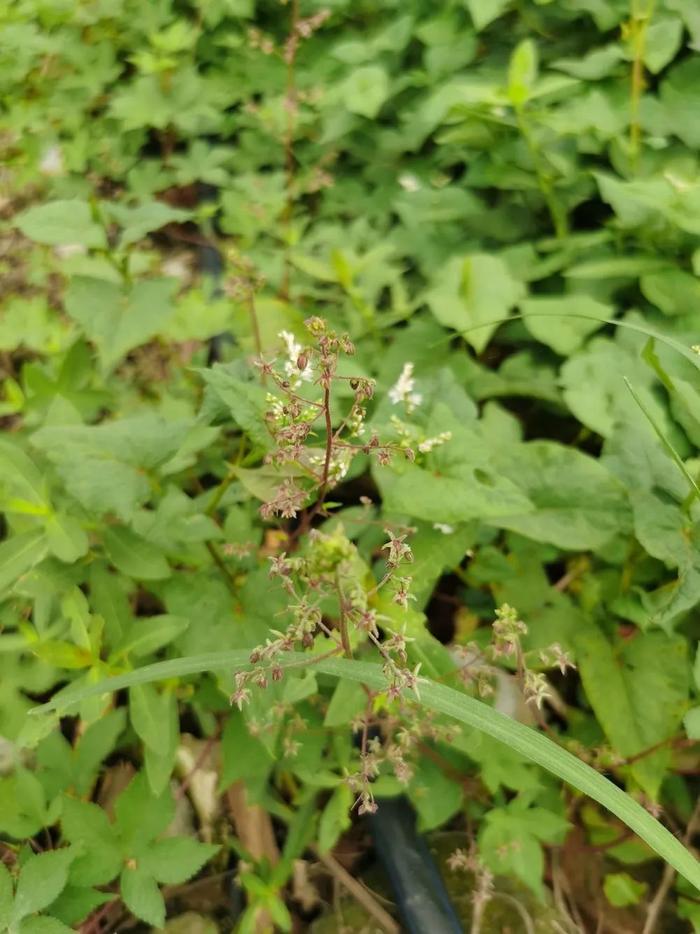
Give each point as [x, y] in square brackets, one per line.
[638, 25]
[290, 104]
[544, 181]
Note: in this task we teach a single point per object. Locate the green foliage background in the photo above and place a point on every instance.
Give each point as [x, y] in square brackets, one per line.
[484, 188]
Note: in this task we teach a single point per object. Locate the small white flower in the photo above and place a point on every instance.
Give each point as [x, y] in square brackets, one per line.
[51, 162]
[403, 389]
[409, 182]
[443, 527]
[294, 349]
[426, 446]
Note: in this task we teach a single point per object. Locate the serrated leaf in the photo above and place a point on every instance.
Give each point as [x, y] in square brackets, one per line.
[117, 318]
[41, 879]
[60, 223]
[141, 815]
[141, 895]
[176, 859]
[87, 827]
[133, 555]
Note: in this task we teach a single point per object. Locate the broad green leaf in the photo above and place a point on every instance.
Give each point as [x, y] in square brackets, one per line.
[638, 692]
[243, 755]
[118, 318]
[563, 322]
[246, 401]
[674, 291]
[42, 879]
[176, 859]
[133, 555]
[365, 90]
[521, 739]
[435, 796]
[141, 815]
[66, 538]
[575, 502]
[87, 827]
[472, 291]
[18, 554]
[147, 634]
[141, 895]
[136, 222]
[60, 223]
[662, 41]
[105, 466]
[21, 479]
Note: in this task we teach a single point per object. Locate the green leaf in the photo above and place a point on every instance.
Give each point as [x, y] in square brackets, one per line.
[6, 896]
[243, 755]
[638, 692]
[160, 762]
[118, 318]
[133, 555]
[347, 702]
[66, 538]
[141, 815]
[19, 554]
[141, 895]
[484, 12]
[521, 739]
[147, 634]
[149, 713]
[365, 90]
[42, 879]
[105, 466]
[691, 722]
[335, 817]
[522, 72]
[563, 322]
[176, 859]
[662, 41]
[246, 401]
[87, 827]
[435, 797]
[621, 890]
[578, 503]
[136, 222]
[43, 925]
[474, 290]
[62, 223]
[673, 291]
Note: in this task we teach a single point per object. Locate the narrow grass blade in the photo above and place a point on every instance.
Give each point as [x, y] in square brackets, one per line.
[523, 739]
[671, 451]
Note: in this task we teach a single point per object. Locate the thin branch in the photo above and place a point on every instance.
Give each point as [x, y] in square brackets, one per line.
[360, 894]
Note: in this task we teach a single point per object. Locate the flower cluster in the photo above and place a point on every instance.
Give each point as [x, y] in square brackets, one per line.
[479, 668]
[295, 420]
